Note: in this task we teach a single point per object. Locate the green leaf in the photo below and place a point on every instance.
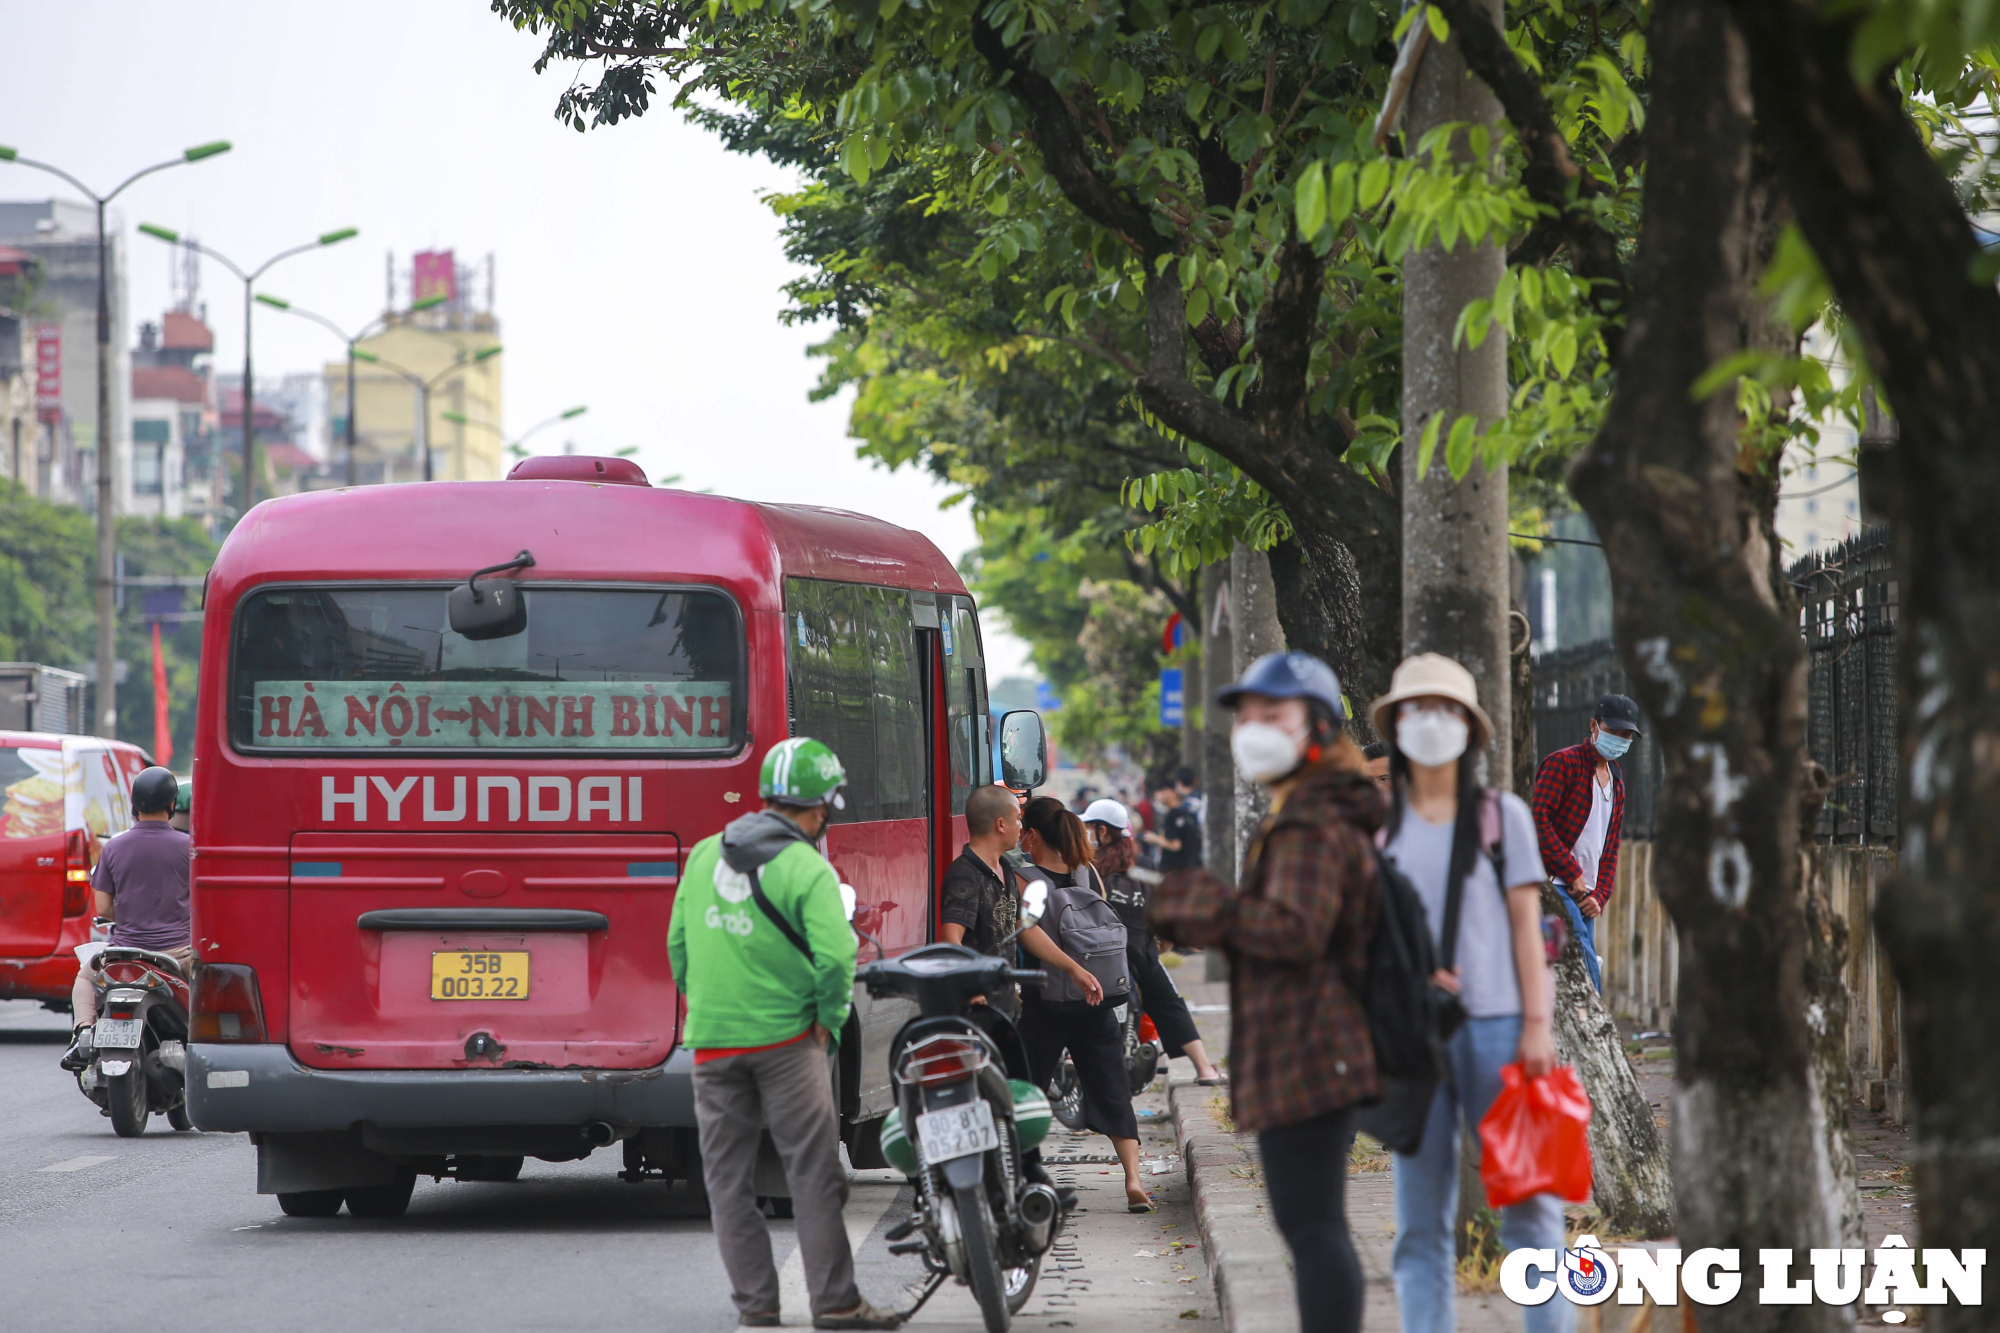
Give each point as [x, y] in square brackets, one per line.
[1340, 194]
[1196, 99]
[1440, 30]
[1309, 200]
[1197, 307]
[1374, 182]
[1458, 448]
[1210, 41]
[1881, 41]
[1428, 444]
[1362, 25]
[1562, 350]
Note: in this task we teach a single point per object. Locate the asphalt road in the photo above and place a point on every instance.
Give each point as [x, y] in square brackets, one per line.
[97, 1231]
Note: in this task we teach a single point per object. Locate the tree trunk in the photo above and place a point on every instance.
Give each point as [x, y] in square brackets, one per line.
[1706, 627]
[1454, 573]
[1254, 631]
[1894, 240]
[1218, 772]
[1827, 1006]
[1631, 1185]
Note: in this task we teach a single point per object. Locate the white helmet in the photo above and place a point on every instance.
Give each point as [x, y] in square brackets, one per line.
[1104, 810]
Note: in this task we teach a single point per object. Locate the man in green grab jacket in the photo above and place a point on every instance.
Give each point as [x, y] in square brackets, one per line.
[762, 948]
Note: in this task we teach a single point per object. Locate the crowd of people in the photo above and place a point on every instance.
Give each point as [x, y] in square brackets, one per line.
[1296, 923]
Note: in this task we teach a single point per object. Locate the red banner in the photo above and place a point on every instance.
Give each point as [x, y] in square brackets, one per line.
[48, 371]
[163, 727]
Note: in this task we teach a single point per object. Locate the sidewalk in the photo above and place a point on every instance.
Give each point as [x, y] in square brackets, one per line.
[1251, 1268]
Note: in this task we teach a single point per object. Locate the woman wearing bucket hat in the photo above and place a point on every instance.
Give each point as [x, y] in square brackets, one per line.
[1473, 858]
[1297, 934]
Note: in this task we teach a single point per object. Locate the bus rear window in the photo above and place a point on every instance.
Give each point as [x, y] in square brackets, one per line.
[379, 668]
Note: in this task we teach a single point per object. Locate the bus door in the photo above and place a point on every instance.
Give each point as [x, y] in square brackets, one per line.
[485, 858]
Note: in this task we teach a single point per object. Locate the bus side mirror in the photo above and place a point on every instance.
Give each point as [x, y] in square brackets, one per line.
[1024, 750]
[494, 609]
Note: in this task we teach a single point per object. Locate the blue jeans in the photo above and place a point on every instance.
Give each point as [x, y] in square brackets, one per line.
[1426, 1260]
[1585, 929]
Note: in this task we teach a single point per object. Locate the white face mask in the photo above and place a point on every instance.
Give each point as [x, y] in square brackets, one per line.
[1265, 753]
[1432, 736]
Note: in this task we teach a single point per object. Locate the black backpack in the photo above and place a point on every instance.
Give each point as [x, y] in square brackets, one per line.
[1400, 999]
[1409, 1018]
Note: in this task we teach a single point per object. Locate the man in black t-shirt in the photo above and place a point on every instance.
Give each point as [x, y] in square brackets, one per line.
[1179, 837]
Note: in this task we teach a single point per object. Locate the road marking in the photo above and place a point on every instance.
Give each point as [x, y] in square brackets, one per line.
[78, 1163]
[862, 1213]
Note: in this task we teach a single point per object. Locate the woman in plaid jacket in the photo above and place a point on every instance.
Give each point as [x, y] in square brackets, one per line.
[1297, 933]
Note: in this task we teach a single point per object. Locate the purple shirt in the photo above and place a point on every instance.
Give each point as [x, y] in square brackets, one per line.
[145, 870]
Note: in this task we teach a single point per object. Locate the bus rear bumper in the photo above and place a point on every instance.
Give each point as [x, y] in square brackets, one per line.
[262, 1089]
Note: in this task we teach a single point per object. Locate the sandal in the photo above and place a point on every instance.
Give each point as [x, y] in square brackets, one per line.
[1221, 1080]
[1144, 1204]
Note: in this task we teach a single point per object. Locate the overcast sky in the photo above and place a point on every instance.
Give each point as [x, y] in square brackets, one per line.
[638, 272]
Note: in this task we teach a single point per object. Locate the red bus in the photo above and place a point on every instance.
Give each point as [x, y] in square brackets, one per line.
[433, 873]
[61, 798]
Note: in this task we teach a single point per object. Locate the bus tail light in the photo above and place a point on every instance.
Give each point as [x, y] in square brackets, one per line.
[941, 1060]
[76, 873]
[226, 1003]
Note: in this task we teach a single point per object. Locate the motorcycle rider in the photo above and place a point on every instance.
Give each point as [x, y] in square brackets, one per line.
[141, 883]
[762, 948]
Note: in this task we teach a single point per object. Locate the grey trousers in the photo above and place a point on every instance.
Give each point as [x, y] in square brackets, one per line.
[788, 1091]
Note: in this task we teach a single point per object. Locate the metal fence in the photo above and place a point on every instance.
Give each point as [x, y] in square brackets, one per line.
[1847, 613]
[1847, 599]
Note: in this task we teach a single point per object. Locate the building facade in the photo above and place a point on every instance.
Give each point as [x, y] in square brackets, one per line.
[427, 344]
[61, 237]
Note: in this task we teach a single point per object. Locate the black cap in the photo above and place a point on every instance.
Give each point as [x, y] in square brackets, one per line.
[1617, 710]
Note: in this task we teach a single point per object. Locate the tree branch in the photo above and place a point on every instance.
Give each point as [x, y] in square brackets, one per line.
[1065, 147]
[1284, 337]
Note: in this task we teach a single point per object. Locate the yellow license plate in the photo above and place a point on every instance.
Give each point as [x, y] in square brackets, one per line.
[463, 975]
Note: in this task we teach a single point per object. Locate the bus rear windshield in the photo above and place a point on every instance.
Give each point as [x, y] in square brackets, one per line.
[358, 669]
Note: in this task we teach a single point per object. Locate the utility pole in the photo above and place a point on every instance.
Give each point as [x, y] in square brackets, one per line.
[1455, 531]
[1218, 767]
[1253, 611]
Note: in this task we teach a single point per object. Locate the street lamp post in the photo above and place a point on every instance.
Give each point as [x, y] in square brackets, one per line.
[424, 386]
[107, 519]
[368, 331]
[514, 446]
[249, 496]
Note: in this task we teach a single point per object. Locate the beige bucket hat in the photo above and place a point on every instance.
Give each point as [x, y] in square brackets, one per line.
[1431, 675]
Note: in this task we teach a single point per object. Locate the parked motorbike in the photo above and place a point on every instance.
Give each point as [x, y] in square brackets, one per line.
[961, 1127]
[137, 1051]
[1142, 1065]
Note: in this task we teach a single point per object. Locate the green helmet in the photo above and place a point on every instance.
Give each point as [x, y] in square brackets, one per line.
[802, 771]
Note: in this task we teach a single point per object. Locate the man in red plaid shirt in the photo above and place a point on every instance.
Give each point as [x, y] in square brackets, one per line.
[1579, 806]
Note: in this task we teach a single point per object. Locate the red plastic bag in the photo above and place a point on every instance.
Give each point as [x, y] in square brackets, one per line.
[1535, 1138]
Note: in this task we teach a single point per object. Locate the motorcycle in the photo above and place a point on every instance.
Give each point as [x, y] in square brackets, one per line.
[1142, 1065]
[137, 1052]
[961, 1128]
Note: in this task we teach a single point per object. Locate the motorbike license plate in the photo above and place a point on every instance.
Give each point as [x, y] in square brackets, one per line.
[116, 1034]
[460, 974]
[956, 1131]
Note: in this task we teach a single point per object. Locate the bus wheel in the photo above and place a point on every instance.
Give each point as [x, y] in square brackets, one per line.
[310, 1203]
[382, 1200]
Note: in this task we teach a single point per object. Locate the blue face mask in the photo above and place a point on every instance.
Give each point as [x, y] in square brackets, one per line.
[1612, 747]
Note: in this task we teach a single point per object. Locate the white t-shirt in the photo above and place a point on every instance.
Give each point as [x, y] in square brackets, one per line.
[1590, 843]
[1489, 987]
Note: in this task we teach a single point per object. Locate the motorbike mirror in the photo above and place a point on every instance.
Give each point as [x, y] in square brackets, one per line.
[1034, 902]
[1024, 750]
[494, 609]
[848, 899]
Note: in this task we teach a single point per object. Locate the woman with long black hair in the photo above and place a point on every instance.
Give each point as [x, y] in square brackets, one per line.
[1471, 854]
[1054, 840]
[1113, 852]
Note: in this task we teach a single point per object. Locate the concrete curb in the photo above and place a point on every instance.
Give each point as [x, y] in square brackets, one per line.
[1247, 1258]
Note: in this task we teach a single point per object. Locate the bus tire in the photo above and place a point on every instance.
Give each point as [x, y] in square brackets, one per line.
[392, 1200]
[310, 1203]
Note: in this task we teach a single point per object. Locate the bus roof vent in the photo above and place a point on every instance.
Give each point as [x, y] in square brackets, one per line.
[579, 467]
